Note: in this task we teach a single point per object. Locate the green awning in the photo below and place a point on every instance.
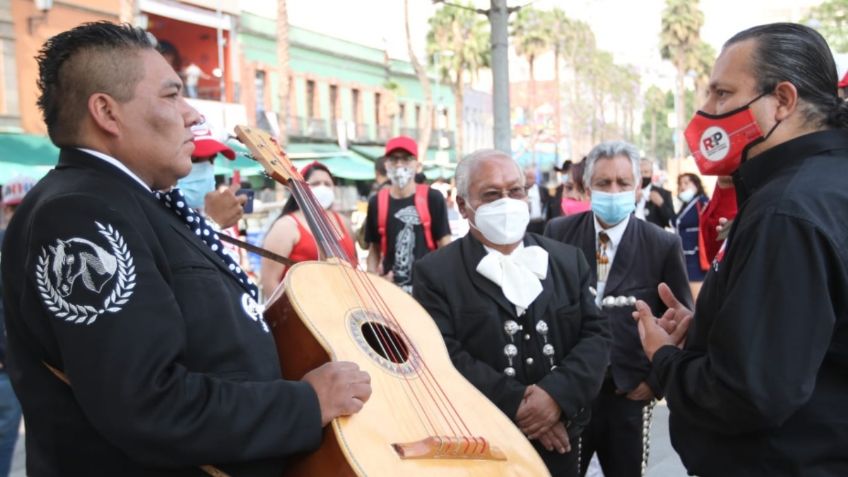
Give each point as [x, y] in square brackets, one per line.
[371, 152]
[343, 164]
[28, 149]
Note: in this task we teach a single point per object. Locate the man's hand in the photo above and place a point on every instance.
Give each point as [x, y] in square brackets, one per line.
[675, 311]
[537, 412]
[555, 438]
[654, 335]
[642, 392]
[656, 198]
[224, 206]
[341, 387]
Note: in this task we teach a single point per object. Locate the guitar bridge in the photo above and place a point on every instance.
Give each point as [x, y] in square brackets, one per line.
[444, 447]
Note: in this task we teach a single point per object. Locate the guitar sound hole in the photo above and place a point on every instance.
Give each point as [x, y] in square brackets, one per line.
[385, 342]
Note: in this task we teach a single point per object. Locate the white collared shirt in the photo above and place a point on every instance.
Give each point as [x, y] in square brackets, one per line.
[535, 198]
[615, 233]
[120, 165]
[640, 206]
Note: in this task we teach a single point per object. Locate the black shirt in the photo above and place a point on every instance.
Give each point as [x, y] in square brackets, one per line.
[406, 242]
[762, 385]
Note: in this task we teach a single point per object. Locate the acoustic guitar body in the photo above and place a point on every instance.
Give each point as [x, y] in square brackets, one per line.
[418, 397]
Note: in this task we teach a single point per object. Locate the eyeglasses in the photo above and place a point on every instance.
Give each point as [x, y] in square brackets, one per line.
[491, 195]
[400, 158]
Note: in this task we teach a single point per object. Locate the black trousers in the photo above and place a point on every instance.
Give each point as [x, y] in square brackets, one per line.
[615, 434]
[559, 465]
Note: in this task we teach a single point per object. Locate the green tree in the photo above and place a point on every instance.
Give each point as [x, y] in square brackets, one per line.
[656, 137]
[577, 46]
[426, 126]
[679, 38]
[458, 41]
[560, 24]
[532, 36]
[831, 20]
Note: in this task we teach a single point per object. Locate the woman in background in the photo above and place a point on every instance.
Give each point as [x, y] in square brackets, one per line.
[687, 224]
[290, 236]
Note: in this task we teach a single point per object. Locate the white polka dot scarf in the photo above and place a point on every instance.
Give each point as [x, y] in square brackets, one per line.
[175, 201]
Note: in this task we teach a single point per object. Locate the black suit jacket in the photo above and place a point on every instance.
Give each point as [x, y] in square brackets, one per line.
[173, 365]
[470, 311]
[646, 257]
[661, 216]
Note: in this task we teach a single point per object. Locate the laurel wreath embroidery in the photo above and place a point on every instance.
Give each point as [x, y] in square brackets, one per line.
[113, 303]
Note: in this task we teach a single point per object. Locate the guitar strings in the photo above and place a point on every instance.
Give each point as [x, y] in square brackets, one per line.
[388, 343]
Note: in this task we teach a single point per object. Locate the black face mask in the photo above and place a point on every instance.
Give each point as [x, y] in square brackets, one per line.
[646, 181]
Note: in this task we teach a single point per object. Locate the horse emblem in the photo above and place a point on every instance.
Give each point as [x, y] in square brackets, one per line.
[62, 266]
[80, 258]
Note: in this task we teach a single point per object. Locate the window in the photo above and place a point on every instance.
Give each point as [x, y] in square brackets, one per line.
[310, 99]
[334, 104]
[356, 107]
[377, 116]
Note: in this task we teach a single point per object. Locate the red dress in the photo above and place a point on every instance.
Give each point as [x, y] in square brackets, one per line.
[307, 249]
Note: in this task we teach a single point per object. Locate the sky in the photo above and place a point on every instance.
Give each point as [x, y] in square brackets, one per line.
[629, 29]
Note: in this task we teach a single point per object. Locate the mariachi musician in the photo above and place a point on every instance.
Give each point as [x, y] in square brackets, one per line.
[516, 312]
[134, 347]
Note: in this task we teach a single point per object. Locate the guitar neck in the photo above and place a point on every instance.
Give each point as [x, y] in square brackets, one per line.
[327, 236]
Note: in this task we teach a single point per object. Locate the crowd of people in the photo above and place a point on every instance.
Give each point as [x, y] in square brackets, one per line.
[136, 343]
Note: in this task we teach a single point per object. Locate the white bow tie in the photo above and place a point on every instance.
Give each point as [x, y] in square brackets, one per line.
[519, 274]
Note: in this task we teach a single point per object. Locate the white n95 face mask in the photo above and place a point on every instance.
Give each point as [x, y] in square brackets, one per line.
[502, 222]
[324, 195]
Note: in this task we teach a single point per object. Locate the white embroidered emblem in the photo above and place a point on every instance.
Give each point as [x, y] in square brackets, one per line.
[254, 310]
[68, 262]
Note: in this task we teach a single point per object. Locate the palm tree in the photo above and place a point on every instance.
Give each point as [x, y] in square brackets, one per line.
[679, 37]
[578, 49]
[283, 69]
[702, 65]
[426, 126]
[458, 41]
[560, 26]
[532, 33]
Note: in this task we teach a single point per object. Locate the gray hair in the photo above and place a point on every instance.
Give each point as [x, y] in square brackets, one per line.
[608, 150]
[470, 162]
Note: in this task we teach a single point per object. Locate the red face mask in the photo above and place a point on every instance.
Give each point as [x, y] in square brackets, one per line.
[720, 142]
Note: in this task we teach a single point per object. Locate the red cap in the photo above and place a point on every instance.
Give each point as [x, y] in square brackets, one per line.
[404, 143]
[843, 83]
[205, 145]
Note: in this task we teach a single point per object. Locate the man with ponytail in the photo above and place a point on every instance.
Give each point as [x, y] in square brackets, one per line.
[757, 384]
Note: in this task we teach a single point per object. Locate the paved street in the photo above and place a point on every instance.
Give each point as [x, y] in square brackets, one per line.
[663, 462]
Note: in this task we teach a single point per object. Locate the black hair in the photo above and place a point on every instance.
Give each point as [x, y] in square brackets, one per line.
[291, 204]
[77, 63]
[800, 55]
[693, 178]
[168, 49]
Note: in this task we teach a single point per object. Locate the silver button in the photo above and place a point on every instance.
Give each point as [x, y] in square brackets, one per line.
[526, 337]
[510, 371]
[529, 361]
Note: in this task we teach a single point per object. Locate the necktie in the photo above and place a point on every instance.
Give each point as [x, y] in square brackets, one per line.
[602, 257]
[518, 274]
[175, 202]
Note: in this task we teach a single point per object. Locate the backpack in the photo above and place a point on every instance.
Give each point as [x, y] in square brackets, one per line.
[421, 192]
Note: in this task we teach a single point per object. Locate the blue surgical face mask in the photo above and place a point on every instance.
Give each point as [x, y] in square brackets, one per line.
[199, 182]
[612, 208]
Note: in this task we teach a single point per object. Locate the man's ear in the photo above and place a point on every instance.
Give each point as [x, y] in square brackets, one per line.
[787, 100]
[639, 193]
[103, 110]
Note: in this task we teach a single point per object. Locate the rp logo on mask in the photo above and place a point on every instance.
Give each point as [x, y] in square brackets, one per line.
[714, 143]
